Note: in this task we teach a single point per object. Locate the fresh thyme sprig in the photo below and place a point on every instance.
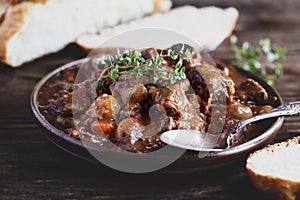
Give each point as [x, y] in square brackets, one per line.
[132, 62]
[262, 60]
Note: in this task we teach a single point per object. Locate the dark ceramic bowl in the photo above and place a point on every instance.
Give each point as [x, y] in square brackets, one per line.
[265, 131]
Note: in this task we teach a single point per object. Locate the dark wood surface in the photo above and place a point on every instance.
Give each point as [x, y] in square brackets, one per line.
[31, 167]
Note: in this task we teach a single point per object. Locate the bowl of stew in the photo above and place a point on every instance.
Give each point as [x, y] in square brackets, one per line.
[112, 103]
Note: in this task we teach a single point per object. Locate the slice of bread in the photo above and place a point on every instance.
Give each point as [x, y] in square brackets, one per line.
[276, 169]
[34, 28]
[207, 26]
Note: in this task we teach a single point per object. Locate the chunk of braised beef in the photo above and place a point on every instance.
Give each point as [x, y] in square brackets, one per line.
[165, 97]
[216, 83]
[251, 90]
[206, 77]
[137, 103]
[199, 86]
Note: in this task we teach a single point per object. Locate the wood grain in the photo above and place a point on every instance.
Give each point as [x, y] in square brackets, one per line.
[33, 168]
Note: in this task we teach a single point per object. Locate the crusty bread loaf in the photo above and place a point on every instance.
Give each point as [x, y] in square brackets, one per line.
[34, 28]
[276, 169]
[207, 26]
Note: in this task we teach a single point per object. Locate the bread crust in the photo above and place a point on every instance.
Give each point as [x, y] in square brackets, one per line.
[276, 187]
[3, 8]
[15, 2]
[4, 4]
[161, 5]
[14, 20]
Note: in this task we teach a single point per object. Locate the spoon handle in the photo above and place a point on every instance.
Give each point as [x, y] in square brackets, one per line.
[291, 108]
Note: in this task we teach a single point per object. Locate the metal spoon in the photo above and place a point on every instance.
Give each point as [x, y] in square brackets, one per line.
[201, 141]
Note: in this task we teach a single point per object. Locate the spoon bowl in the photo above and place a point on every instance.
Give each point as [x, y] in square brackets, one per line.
[191, 140]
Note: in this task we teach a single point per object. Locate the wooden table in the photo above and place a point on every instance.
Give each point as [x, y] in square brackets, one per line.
[31, 167]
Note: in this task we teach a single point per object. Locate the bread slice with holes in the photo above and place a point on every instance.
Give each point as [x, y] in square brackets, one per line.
[276, 169]
[32, 28]
[208, 26]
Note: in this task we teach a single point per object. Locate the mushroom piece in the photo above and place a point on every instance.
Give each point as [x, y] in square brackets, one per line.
[239, 111]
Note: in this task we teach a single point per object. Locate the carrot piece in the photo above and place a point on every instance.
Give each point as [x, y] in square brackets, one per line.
[102, 127]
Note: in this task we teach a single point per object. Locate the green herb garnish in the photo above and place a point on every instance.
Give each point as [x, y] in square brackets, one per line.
[262, 60]
[132, 62]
